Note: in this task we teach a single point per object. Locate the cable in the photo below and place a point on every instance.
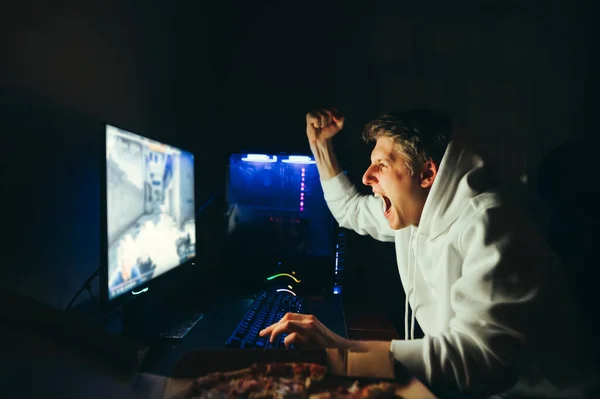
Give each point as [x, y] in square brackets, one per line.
[207, 203]
[87, 285]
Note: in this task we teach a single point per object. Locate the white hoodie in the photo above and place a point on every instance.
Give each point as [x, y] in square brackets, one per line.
[486, 291]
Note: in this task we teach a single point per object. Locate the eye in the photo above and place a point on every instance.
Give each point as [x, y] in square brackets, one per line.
[381, 165]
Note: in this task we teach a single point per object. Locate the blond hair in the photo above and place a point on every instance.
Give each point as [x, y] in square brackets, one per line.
[420, 135]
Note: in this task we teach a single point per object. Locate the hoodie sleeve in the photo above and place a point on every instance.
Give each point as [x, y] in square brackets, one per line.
[495, 302]
[352, 210]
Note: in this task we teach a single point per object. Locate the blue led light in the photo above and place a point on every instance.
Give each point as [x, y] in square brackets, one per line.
[299, 159]
[260, 158]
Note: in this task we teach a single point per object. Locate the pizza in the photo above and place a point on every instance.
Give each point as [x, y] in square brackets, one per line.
[268, 380]
[381, 390]
[282, 381]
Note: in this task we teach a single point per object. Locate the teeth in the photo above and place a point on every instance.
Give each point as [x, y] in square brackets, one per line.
[383, 204]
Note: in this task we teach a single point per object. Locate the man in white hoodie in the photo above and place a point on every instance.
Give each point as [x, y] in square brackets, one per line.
[489, 296]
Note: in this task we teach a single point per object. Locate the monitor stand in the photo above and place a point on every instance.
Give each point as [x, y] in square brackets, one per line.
[135, 314]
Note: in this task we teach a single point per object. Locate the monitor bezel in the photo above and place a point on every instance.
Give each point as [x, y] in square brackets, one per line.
[156, 282]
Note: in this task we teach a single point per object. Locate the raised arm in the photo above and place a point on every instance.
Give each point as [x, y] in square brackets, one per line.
[352, 210]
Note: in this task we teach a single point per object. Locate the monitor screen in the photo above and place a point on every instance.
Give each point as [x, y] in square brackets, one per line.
[150, 223]
[276, 210]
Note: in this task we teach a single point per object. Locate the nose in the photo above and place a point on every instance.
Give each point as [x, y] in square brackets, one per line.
[369, 178]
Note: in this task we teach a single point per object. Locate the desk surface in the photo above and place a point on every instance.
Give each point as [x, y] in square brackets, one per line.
[219, 323]
[44, 342]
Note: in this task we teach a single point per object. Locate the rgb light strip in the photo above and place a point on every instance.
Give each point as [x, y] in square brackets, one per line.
[302, 191]
[286, 290]
[282, 275]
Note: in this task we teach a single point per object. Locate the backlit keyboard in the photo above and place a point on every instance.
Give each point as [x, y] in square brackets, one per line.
[267, 309]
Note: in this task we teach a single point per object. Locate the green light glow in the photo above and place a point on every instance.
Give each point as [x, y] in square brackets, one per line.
[282, 275]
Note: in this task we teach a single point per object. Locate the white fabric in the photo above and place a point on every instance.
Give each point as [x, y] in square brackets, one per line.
[488, 294]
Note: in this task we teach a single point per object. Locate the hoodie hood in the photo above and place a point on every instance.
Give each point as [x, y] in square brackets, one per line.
[462, 175]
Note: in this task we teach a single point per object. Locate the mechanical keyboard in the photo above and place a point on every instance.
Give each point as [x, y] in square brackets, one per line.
[268, 308]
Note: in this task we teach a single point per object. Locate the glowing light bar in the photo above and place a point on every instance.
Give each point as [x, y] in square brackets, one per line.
[286, 290]
[299, 159]
[283, 275]
[259, 158]
[301, 184]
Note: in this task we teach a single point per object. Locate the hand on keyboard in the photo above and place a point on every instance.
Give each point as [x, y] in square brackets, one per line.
[266, 309]
[303, 330]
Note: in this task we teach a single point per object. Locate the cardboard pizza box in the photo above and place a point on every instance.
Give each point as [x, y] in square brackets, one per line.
[362, 366]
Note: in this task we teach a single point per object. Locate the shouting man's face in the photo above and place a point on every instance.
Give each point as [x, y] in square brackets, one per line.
[403, 195]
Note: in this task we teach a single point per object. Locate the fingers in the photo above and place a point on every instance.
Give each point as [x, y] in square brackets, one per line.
[302, 329]
[292, 322]
[322, 118]
[286, 317]
[316, 119]
[267, 330]
[326, 117]
[288, 327]
[338, 118]
[294, 339]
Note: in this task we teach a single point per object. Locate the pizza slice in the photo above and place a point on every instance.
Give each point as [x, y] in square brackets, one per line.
[260, 381]
[283, 381]
[382, 390]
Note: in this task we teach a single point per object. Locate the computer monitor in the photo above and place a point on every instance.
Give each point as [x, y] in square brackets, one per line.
[278, 220]
[148, 212]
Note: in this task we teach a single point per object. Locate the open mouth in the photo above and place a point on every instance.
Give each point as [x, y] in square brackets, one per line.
[386, 203]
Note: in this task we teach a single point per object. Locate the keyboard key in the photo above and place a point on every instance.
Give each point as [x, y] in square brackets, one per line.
[266, 310]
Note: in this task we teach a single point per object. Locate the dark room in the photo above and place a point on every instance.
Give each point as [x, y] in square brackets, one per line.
[270, 199]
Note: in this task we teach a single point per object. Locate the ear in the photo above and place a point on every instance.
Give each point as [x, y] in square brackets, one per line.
[428, 174]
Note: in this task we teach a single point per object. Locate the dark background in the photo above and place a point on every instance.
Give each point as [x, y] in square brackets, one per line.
[231, 75]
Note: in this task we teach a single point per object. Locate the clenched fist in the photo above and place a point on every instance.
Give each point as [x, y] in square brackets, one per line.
[323, 124]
